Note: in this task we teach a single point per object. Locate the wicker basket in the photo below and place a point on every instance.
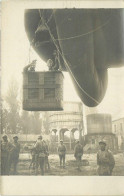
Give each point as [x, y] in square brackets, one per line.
[43, 91]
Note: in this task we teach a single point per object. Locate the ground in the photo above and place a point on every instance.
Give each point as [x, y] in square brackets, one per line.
[70, 169]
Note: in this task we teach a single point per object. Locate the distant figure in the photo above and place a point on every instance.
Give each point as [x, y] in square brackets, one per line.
[47, 165]
[105, 160]
[6, 153]
[50, 65]
[15, 155]
[41, 152]
[33, 158]
[62, 152]
[56, 60]
[54, 63]
[30, 67]
[78, 153]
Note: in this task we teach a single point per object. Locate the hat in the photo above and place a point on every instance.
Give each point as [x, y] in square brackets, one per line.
[77, 141]
[15, 137]
[40, 137]
[61, 140]
[102, 142]
[4, 136]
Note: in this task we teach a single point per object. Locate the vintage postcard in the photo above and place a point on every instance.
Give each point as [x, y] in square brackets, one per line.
[62, 97]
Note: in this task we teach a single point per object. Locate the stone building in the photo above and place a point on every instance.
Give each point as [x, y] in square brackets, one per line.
[69, 120]
[118, 130]
[99, 127]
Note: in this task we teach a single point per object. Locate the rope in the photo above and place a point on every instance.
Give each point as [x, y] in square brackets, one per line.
[28, 55]
[41, 20]
[54, 41]
[50, 18]
[78, 36]
[81, 35]
[29, 60]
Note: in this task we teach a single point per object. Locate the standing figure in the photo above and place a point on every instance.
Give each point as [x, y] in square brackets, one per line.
[50, 64]
[46, 165]
[62, 152]
[56, 60]
[15, 156]
[105, 160]
[33, 158]
[6, 154]
[78, 153]
[41, 153]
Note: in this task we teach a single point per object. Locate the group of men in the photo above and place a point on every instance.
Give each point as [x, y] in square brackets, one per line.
[105, 158]
[9, 155]
[40, 152]
[78, 153]
[53, 64]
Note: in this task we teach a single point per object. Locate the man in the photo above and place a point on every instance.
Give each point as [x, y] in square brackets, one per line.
[50, 64]
[47, 165]
[6, 153]
[16, 152]
[56, 60]
[78, 153]
[33, 158]
[30, 67]
[105, 160]
[62, 152]
[41, 152]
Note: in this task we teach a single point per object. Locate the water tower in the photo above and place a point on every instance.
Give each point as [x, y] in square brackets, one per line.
[99, 126]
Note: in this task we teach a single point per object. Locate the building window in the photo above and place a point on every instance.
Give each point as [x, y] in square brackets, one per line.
[33, 93]
[49, 93]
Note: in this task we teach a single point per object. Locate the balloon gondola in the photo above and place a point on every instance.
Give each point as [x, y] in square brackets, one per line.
[43, 91]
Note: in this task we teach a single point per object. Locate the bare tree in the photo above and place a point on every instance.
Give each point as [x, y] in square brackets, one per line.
[12, 107]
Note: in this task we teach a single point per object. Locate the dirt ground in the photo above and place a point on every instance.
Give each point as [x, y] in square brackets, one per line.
[70, 169]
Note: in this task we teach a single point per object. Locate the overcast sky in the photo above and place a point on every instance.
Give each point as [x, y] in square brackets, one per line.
[15, 55]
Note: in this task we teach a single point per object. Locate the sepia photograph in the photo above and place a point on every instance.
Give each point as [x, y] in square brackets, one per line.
[62, 91]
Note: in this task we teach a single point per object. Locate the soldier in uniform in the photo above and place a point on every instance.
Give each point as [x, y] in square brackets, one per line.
[105, 160]
[33, 158]
[6, 153]
[62, 152]
[41, 153]
[16, 152]
[78, 153]
[47, 165]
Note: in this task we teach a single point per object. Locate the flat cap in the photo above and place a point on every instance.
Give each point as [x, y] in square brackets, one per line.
[102, 142]
[4, 136]
[15, 137]
[39, 137]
